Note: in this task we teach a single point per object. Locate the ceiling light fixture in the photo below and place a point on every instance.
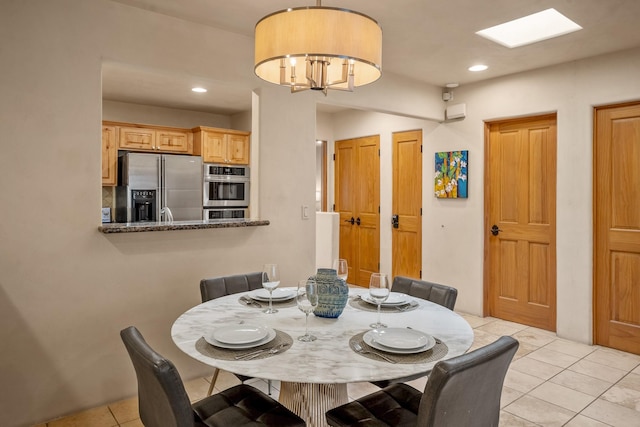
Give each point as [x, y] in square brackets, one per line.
[478, 67]
[198, 89]
[530, 29]
[318, 48]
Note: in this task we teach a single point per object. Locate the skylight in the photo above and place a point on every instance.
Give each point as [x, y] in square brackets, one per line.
[530, 29]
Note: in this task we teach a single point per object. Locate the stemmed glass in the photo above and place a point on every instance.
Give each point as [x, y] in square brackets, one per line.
[379, 292]
[307, 299]
[270, 281]
[340, 266]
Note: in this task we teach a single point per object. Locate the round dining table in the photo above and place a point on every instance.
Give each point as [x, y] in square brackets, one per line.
[314, 375]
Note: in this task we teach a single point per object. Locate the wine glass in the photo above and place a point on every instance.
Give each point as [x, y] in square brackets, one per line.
[340, 266]
[307, 299]
[270, 281]
[379, 292]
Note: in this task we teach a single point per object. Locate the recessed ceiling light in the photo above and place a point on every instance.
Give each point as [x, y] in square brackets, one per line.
[199, 89]
[530, 29]
[478, 67]
[452, 85]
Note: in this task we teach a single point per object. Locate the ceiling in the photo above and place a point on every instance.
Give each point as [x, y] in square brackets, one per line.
[430, 41]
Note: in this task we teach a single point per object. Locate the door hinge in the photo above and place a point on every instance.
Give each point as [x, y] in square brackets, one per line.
[378, 152]
[378, 209]
[334, 207]
[420, 274]
[421, 148]
[334, 157]
[378, 266]
[420, 211]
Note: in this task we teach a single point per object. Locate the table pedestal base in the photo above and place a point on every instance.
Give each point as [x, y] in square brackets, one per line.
[310, 401]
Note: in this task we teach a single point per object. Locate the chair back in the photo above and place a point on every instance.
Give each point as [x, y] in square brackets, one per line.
[440, 294]
[162, 399]
[220, 286]
[465, 390]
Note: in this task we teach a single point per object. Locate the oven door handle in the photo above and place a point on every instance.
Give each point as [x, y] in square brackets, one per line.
[225, 179]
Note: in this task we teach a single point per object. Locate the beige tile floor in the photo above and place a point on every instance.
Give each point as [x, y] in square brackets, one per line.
[551, 382]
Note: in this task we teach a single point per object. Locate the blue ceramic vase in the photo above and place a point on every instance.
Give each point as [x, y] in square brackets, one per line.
[333, 293]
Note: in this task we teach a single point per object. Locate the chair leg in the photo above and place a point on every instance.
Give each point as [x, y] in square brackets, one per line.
[269, 387]
[214, 377]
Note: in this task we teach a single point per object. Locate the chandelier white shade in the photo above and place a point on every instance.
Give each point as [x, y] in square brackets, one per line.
[318, 48]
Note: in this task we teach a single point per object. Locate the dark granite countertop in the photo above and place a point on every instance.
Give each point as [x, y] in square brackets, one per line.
[179, 225]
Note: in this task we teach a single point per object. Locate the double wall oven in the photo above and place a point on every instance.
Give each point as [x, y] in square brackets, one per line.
[225, 191]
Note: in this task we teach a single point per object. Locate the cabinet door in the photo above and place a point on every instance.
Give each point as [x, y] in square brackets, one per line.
[213, 148]
[171, 141]
[237, 149]
[109, 155]
[137, 138]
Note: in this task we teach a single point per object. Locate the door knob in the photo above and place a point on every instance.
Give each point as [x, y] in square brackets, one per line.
[358, 221]
[495, 230]
[350, 220]
[395, 221]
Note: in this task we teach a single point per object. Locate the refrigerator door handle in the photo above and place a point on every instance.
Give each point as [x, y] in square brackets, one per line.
[163, 189]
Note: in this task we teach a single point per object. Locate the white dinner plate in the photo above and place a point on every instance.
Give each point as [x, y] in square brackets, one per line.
[239, 334]
[395, 298]
[271, 334]
[279, 294]
[369, 339]
[401, 338]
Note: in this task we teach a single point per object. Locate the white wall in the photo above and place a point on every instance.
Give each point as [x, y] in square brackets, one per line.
[161, 116]
[453, 229]
[66, 290]
[571, 90]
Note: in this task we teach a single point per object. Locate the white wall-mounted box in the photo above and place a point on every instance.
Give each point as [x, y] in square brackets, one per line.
[456, 111]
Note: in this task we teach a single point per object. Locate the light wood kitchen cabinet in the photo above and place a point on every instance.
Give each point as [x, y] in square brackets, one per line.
[109, 155]
[173, 141]
[156, 140]
[135, 138]
[221, 146]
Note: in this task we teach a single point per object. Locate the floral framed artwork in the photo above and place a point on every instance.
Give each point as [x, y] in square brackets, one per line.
[451, 174]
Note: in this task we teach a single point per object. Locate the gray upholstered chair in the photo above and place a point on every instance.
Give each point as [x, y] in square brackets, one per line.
[440, 294]
[163, 401]
[221, 286]
[462, 391]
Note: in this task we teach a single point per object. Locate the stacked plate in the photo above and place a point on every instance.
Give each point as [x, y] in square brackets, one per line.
[394, 299]
[240, 336]
[399, 340]
[279, 294]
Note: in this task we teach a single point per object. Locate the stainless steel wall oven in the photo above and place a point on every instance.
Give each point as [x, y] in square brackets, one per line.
[225, 186]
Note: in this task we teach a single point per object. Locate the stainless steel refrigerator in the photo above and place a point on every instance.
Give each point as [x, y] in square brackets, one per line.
[148, 184]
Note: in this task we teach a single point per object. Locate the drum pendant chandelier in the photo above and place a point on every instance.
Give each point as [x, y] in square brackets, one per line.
[318, 48]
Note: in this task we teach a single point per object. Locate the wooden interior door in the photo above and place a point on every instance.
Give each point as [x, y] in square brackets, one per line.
[406, 231]
[616, 204]
[520, 206]
[357, 198]
[345, 188]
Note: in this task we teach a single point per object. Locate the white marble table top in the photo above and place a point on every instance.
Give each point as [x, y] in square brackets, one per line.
[329, 359]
